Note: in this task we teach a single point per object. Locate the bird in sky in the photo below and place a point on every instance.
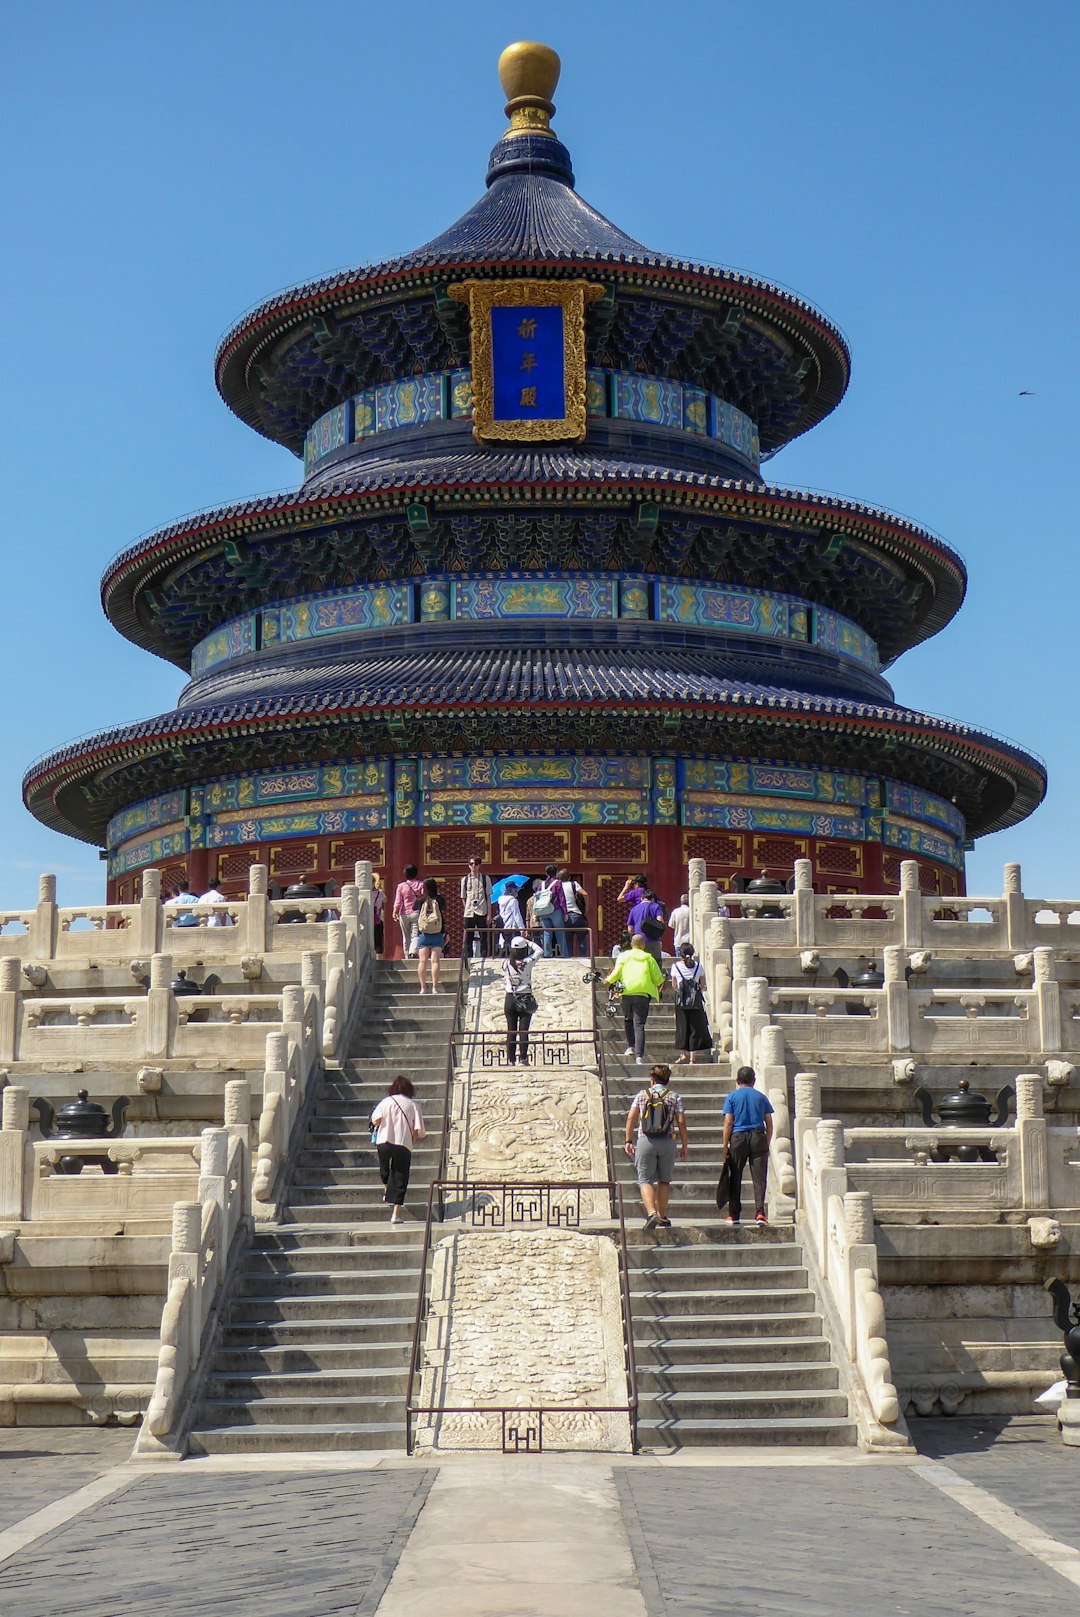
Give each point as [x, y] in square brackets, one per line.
[1026, 393]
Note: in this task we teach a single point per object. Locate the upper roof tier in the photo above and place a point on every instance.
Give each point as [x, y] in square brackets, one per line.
[762, 349]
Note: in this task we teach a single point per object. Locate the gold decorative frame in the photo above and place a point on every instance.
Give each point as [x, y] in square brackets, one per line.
[481, 297]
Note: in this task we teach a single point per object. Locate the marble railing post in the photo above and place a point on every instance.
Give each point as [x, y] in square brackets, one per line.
[160, 1007]
[772, 1080]
[1048, 999]
[214, 1172]
[897, 1000]
[238, 1111]
[1016, 927]
[807, 1116]
[184, 1265]
[832, 1180]
[1032, 1140]
[695, 875]
[803, 905]
[911, 904]
[45, 924]
[258, 916]
[704, 905]
[756, 1015]
[717, 963]
[10, 981]
[151, 916]
[16, 1152]
[365, 911]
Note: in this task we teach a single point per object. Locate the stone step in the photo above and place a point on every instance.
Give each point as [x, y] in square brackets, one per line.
[663, 1433]
[330, 1259]
[734, 1277]
[323, 1283]
[659, 1381]
[300, 1439]
[770, 1403]
[371, 1211]
[303, 1411]
[336, 1330]
[397, 1306]
[705, 1254]
[770, 1348]
[288, 1359]
[295, 1239]
[669, 1304]
[308, 1385]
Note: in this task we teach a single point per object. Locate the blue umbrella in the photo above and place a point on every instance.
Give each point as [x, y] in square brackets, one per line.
[498, 888]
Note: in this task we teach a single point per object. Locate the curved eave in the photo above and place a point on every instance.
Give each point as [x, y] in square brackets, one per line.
[79, 762]
[134, 569]
[264, 326]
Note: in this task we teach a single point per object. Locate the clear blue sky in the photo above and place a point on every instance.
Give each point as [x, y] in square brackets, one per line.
[910, 168]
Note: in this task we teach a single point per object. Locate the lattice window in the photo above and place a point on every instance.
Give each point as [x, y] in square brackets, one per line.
[890, 870]
[172, 876]
[778, 854]
[839, 858]
[235, 866]
[610, 918]
[528, 849]
[615, 847]
[344, 855]
[124, 893]
[455, 847]
[929, 880]
[293, 857]
[950, 884]
[715, 847]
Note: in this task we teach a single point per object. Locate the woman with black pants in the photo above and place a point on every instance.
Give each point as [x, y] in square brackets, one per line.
[517, 976]
[397, 1122]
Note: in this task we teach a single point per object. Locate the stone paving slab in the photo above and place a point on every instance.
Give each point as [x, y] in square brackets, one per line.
[39, 1464]
[187, 1544]
[874, 1539]
[1021, 1461]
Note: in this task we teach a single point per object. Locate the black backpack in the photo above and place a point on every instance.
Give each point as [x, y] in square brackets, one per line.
[655, 1118]
[688, 995]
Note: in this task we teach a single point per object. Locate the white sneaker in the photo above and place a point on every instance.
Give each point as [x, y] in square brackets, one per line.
[628, 1052]
[640, 1060]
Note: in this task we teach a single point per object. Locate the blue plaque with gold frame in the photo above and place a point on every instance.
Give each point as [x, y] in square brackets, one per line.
[528, 358]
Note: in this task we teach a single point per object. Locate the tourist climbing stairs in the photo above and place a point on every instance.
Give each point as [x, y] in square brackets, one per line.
[728, 1335]
[314, 1354]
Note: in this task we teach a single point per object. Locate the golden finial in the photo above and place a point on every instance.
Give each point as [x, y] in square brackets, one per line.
[528, 74]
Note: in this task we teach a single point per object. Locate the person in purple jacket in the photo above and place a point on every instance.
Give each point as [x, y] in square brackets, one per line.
[649, 917]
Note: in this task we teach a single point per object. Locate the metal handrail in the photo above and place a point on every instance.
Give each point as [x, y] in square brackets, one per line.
[534, 1193]
[601, 1068]
[448, 1073]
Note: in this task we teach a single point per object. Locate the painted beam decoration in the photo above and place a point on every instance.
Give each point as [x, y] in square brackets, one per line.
[528, 358]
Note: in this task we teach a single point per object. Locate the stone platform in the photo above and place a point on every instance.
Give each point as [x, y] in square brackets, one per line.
[982, 1519]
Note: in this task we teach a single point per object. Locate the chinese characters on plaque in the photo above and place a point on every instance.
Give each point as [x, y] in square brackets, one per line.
[528, 358]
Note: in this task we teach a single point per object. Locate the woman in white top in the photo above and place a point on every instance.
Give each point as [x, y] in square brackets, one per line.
[397, 1121]
[510, 915]
[517, 978]
[692, 1033]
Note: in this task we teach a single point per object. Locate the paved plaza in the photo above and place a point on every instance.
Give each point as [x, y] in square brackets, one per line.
[984, 1520]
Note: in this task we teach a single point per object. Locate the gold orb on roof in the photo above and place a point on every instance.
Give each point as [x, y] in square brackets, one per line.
[528, 73]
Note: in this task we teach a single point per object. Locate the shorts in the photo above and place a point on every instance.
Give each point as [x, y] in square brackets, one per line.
[431, 940]
[654, 1160]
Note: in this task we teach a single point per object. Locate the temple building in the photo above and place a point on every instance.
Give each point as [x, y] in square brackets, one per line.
[533, 597]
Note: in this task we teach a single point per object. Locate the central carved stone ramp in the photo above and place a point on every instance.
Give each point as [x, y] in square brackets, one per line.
[315, 1351]
[729, 1344]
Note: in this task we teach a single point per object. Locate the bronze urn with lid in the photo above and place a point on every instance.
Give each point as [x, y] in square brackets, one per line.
[964, 1109]
[82, 1119]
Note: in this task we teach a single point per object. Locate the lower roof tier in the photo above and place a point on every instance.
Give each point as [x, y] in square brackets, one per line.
[536, 699]
[560, 509]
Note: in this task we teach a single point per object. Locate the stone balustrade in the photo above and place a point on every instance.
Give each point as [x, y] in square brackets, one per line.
[116, 934]
[837, 1224]
[842, 924]
[206, 1232]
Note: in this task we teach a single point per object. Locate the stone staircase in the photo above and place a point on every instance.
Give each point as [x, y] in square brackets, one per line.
[729, 1343]
[314, 1354]
[728, 1338]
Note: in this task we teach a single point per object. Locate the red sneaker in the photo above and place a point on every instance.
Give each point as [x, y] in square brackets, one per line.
[759, 1218]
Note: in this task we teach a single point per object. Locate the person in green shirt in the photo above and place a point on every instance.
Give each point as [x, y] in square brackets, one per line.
[641, 980]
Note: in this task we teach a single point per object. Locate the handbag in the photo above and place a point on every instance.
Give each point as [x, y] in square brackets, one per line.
[653, 928]
[723, 1186]
[525, 1001]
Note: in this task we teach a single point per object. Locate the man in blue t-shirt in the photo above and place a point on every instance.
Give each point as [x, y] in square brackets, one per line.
[748, 1126]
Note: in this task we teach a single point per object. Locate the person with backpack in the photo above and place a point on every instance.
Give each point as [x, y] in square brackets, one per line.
[657, 1114]
[396, 1124]
[649, 917]
[691, 1019]
[511, 922]
[748, 1126]
[475, 909]
[576, 924]
[549, 907]
[407, 898]
[430, 934]
[641, 981]
[519, 1005]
